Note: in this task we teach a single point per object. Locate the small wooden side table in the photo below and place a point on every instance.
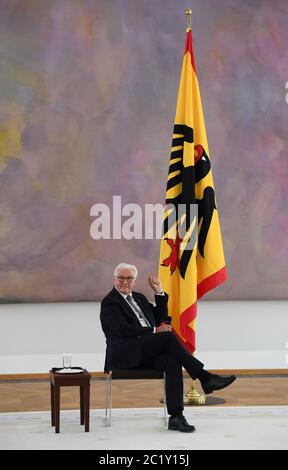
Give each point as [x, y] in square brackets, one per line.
[81, 380]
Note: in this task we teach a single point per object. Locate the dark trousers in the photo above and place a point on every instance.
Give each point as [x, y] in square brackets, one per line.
[163, 351]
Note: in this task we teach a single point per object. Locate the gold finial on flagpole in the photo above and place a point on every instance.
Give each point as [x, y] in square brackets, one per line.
[188, 13]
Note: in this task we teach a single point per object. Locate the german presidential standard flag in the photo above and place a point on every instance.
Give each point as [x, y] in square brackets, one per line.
[191, 253]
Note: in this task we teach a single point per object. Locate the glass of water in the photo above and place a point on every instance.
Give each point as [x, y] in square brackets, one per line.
[67, 360]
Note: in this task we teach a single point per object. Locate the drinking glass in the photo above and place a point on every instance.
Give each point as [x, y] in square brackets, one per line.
[67, 360]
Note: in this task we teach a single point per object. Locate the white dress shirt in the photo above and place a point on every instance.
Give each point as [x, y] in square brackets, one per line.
[141, 320]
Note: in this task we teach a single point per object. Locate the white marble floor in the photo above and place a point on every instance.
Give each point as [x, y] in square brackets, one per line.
[259, 427]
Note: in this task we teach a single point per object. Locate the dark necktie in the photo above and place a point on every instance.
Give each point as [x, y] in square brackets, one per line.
[137, 309]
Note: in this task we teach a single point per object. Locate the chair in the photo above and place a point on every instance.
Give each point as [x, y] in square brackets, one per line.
[132, 374]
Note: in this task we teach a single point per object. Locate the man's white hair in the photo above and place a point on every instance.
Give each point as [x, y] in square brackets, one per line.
[122, 266]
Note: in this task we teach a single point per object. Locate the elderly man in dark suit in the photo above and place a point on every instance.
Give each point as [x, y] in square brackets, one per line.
[139, 334]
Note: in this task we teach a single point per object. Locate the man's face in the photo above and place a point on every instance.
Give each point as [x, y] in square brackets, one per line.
[125, 281]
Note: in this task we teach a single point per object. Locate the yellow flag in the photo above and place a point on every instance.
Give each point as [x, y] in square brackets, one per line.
[191, 253]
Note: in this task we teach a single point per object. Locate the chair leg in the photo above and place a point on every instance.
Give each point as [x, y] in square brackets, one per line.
[106, 408]
[108, 399]
[165, 401]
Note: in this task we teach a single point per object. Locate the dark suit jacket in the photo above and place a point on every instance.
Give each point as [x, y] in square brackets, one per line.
[122, 329]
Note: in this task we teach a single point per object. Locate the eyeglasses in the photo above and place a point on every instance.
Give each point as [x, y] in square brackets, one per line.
[128, 279]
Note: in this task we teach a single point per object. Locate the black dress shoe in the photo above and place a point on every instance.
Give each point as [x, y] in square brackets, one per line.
[179, 423]
[217, 382]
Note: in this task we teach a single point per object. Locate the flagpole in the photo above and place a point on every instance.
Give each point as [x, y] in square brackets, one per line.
[188, 13]
[192, 397]
[183, 289]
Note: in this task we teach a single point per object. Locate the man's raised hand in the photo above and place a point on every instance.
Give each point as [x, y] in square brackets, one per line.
[155, 283]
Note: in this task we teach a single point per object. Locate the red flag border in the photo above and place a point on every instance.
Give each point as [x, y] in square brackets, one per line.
[190, 313]
[189, 48]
